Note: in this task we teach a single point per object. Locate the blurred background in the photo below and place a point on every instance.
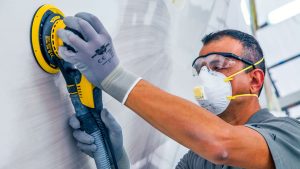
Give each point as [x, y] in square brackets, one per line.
[156, 39]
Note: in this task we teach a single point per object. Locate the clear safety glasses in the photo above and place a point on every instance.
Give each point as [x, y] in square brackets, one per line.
[217, 61]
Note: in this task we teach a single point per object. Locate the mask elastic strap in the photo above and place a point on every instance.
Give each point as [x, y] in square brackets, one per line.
[229, 78]
[240, 95]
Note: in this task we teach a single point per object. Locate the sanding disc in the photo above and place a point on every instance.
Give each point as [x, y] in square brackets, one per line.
[44, 41]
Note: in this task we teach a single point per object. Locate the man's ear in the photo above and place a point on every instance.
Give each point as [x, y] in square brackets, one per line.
[257, 80]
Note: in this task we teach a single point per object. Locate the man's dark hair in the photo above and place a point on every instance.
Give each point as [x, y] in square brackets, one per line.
[251, 48]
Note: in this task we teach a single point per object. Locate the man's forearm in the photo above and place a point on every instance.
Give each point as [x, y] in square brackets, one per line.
[185, 122]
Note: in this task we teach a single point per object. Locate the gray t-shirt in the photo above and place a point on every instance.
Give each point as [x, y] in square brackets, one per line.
[282, 135]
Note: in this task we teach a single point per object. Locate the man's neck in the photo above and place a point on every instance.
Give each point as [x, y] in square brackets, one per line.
[240, 113]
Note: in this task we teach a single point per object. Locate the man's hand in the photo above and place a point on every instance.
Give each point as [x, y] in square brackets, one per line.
[85, 142]
[95, 56]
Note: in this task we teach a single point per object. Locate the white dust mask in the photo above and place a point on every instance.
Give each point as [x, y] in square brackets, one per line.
[212, 91]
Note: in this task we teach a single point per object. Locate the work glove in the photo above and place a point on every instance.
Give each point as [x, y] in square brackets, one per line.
[95, 56]
[85, 142]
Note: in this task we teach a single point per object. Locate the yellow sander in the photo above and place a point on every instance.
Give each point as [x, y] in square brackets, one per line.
[86, 99]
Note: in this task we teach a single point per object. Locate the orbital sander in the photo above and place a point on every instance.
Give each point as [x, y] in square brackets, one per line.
[85, 97]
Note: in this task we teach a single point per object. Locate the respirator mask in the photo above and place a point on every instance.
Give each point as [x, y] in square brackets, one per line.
[213, 90]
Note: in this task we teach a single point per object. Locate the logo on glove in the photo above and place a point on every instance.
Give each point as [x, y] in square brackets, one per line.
[105, 52]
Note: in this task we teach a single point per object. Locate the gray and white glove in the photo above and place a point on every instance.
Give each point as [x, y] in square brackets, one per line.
[85, 142]
[95, 56]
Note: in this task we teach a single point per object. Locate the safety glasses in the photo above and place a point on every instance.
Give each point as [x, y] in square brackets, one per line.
[217, 61]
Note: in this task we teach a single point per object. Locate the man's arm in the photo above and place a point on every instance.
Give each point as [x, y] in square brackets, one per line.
[201, 131]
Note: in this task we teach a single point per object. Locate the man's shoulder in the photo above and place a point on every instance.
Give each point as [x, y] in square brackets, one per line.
[264, 117]
[289, 120]
[283, 125]
[282, 134]
[279, 122]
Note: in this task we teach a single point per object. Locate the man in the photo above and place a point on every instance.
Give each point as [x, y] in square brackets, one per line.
[230, 68]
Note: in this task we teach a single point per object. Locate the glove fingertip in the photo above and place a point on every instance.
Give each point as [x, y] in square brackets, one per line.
[62, 33]
[84, 15]
[94, 148]
[59, 31]
[71, 22]
[74, 122]
[68, 18]
[79, 14]
[91, 140]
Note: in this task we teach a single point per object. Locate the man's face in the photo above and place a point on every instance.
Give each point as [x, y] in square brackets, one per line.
[241, 83]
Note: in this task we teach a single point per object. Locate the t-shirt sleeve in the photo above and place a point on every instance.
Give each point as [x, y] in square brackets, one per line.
[183, 163]
[283, 138]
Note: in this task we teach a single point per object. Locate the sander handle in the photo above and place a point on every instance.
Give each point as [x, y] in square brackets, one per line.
[90, 126]
[90, 118]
